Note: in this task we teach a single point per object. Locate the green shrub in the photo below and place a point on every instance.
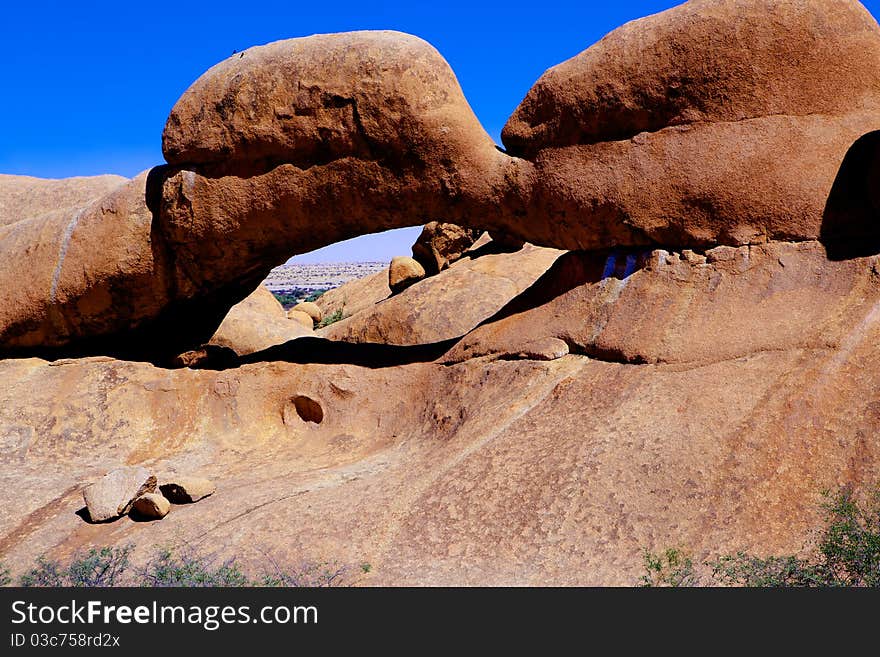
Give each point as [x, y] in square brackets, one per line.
[4, 575]
[332, 319]
[847, 554]
[112, 567]
[747, 570]
[315, 575]
[314, 296]
[104, 567]
[672, 568]
[190, 570]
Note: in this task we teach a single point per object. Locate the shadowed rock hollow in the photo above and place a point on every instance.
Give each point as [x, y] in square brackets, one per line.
[523, 416]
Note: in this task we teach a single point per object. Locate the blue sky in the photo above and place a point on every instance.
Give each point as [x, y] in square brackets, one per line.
[87, 86]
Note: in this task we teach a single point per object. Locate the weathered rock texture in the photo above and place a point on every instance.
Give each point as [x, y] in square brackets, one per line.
[151, 506]
[355, 296]
[25, 197]
[716, 122]
[732, 303]
[447, 305]
[187, 489]
[113, 494]
[257, 323]
[403, 272]
[301, 319]
[440, 244]
[481, 472]
[311, 309]
[623, 401]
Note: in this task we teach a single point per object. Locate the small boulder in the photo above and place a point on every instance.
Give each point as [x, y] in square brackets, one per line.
[440, 244]
[301, 318]
[184, 490]
[403, 272]
[311, 309]
[151, 505]
[112, 495]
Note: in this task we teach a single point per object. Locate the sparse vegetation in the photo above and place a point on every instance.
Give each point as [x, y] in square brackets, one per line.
[190, 570]
[289, 298]
[317, 575]
[847, 554]
[104, 567]
[332, 319]
[4, 575]
[168, 568]
[672, 568]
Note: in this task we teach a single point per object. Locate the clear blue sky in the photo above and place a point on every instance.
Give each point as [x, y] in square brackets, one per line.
[87, 86]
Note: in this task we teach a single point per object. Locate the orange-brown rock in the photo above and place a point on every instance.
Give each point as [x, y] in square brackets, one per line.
[354, 296]
[92, 271]
[257, 323]
[571, 468]
[449, 304]
[187, 489]
[301, 319]
[404, 272]
[113, 494]
[716, 122]
[26, 197]
[311, 309]
[310, 141]
[440, 244]
[305, 142]
[732, 303]
[152, 506]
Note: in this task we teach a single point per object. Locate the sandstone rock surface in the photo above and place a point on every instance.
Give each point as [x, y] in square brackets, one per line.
[696, 393]
[357, 295]
[187, 489]
[449, 304]
[151, 505]
[301, 319]
[26, 197]
[113, 494]
[715, 122]
[403, 272]
[440, 244]
[311, 309]
[257, 323]
[732, 303]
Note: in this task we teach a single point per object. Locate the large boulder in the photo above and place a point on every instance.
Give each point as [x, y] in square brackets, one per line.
[305, 142]
[356, 295]
[716, 122]
[440, 244]
[449, 304]
[682, 308]
[311, 309]
[113, 494]
[92, 271]
[257, 323]
[25, 197]
[403, 272]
